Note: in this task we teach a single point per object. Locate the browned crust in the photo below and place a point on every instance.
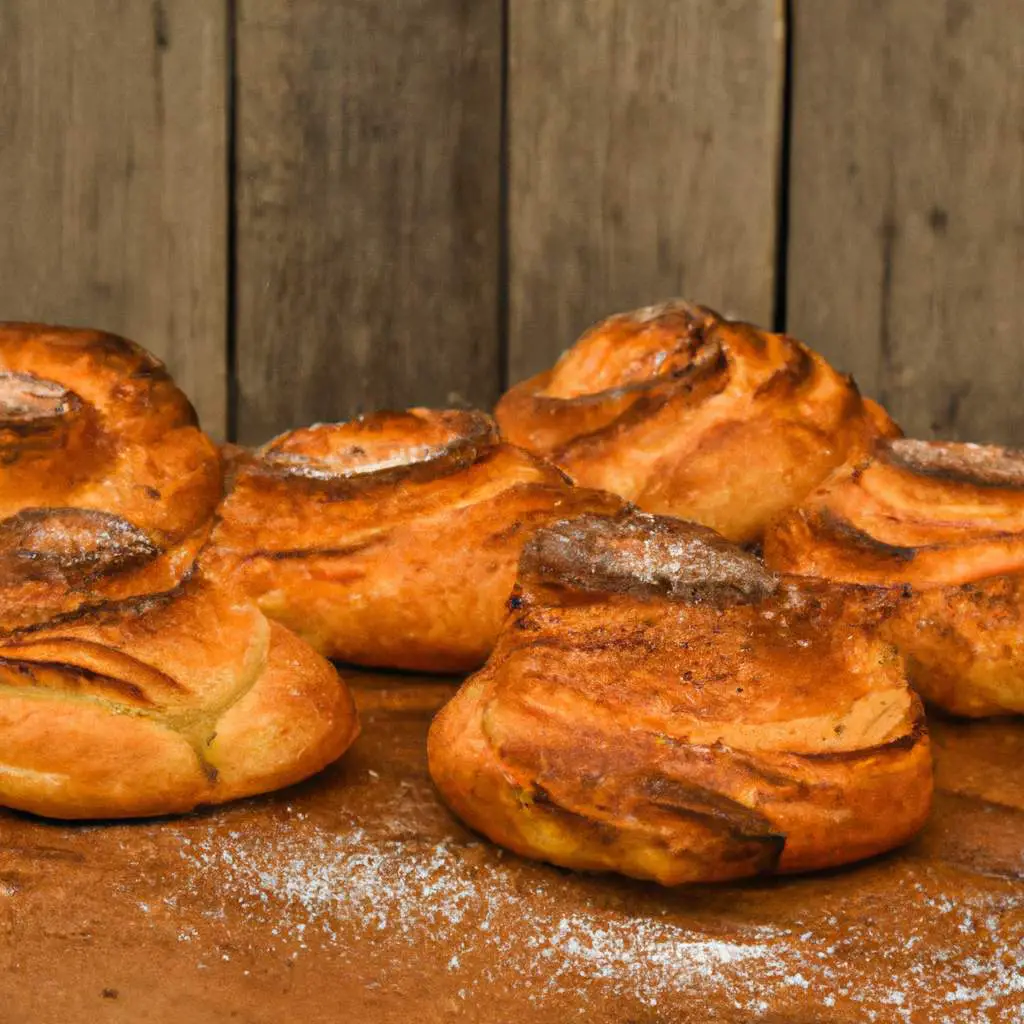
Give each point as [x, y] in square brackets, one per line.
[637, 553]
[959, 463]
[664, 406]
[354, 534]
[107, 487]
[129, 684]
[684, 714]
[943, 522]
[162, 705]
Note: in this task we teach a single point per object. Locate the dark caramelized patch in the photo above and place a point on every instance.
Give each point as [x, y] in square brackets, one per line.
[977, 465]
[300, 554]
[64, 677]
[100, 613]
[380, 448]
[70, 544]
[645, 554]
[798, 367]
[689, 799]
[34, 415]
[831, 525]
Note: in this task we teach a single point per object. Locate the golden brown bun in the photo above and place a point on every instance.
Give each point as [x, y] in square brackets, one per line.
[124, 691]
[661, 705]
[155, 705]
[391, 540]
[107, 486]
[948, 520]
[686, 413]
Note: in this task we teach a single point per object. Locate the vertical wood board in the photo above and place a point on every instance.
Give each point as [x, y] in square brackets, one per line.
[643, 162]
[113, 177]
[906, 240]
[367, 208]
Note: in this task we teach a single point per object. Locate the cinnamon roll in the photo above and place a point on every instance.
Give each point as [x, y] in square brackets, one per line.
[662, 705]
[684, 412]
[944, 522]
[107, 485]
[129, 684]
[391, 540]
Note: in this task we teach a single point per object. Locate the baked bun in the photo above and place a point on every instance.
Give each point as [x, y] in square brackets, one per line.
[684, 412]
[391, 540]
[107, 486]
[948, 521]
[661, 705]
[154, 705]
[129, 685]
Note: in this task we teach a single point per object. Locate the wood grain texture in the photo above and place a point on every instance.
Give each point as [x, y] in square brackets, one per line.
[643, 162]
[368, 209]
[907, 211]
[113, 177]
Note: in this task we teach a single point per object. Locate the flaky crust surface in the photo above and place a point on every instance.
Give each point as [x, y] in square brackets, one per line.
[946, 522]
[684, 412]
[107, 485]
[391, 540]
[157, 704]
[661, 705]
[128, 684]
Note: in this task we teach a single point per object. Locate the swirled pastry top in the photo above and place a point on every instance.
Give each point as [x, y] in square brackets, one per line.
[661, 704]
[685, 412]
[391, 540]
[107, 485]
[155, 704]
[928, 513]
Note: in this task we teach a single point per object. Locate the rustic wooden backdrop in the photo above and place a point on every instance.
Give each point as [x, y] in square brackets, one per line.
[311, 208]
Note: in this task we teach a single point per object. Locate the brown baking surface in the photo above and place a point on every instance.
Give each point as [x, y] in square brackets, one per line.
[356, 897]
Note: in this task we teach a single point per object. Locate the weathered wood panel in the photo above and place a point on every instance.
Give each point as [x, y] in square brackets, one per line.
[907, 208]
[643, 162]
[368, 209]
[113, 177]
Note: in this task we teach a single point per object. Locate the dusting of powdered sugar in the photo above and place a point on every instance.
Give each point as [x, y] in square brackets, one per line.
[319, 888]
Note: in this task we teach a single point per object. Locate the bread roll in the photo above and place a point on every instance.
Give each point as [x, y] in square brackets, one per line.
[661, 705]
[107, 485]
[391, 540]
[943, 523]
[154, 705]
[129, 685]
[686, 413]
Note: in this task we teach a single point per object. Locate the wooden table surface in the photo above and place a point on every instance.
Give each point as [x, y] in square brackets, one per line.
[357, 897]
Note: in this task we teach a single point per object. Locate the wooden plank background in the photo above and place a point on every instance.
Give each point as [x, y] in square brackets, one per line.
[643, 162]
[310, 210]
[907, 200]
[113, 177]
[368, 184]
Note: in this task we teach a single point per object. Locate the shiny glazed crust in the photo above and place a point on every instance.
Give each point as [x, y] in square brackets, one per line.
[661, 705]
[391, 540]
[946, 521]
[157, 704]
[107, 485]
[129, 685]
[684, 412]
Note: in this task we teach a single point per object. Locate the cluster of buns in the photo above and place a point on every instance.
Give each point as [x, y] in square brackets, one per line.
[131, 682]
[653, 698]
